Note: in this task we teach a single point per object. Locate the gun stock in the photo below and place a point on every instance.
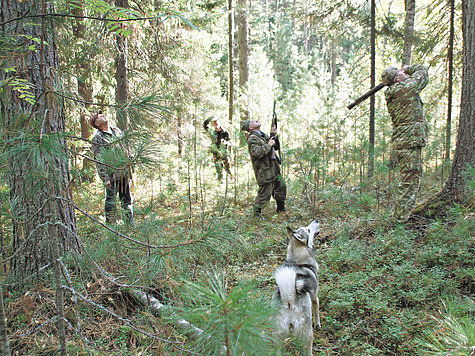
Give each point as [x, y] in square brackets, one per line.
[366, 95]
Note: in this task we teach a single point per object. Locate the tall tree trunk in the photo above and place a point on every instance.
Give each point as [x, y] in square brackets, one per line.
[5, 345]
[408, 31]
[121, 75]
[230, 63]
[465, 150]
[179, 118]
[85, 90]
[456, 189]
[333, 66]
[243, 56]
[448, 129]
[373, 83]
[38, 160]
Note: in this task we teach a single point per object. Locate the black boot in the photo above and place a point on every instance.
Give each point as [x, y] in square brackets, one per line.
[129, 217]
[280, 206]
[110, 216]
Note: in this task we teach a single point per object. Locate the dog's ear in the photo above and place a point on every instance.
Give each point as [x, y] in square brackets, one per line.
[290, 231]
[301, 239]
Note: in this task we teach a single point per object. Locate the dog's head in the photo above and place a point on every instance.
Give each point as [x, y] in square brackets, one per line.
[305, 235]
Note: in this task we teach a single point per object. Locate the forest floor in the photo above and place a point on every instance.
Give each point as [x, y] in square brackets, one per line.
[383, 288]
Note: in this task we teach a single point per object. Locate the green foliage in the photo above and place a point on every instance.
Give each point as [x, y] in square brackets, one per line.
[378, 291]
[231, 317]
[454, 332]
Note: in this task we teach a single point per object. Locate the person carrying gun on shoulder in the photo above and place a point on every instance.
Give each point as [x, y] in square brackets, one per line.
[266, 166]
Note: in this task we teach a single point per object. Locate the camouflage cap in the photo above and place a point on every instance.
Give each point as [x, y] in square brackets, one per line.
[245, 125]
[387, 78]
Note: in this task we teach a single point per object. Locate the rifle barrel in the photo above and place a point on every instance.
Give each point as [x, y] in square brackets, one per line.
[366, 95]
[274, 116]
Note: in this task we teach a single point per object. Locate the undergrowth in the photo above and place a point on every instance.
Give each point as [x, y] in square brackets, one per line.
[383, 291]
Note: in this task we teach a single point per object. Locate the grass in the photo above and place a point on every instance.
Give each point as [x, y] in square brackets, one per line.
[381, 288]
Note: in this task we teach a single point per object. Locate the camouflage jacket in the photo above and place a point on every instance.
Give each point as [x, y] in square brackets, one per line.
[264, 162]
[110, 154]
[219, 140]
[406, 109]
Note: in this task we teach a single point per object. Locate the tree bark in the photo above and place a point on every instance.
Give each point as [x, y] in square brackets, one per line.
[121, 74]
[243, 56]
[456, 189]
[230, 63]
[408, 31]
[179, 118]
[38, 160]
[465, 150]
[5, 348]
[373, 83]
[85, 90]
[450, 54]
[333, 66]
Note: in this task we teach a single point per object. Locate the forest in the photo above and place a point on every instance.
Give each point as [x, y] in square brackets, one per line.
[181, 262]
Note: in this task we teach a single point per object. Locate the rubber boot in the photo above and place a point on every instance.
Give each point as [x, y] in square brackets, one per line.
[110, 214]
[257, 212]
[280, 206]
[129, 216]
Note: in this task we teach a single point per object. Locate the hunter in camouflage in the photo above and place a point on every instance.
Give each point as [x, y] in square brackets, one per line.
[409, 130]
[266, 167]
[220, 141]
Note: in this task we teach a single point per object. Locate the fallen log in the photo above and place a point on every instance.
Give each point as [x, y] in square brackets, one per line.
[185, 327]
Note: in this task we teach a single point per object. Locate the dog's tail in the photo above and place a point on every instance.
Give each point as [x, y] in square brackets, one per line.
[285, 279]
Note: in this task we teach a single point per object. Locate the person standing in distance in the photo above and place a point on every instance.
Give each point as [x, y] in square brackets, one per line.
[106, 146]
[409, 131]
[266, 167]
[220, 141]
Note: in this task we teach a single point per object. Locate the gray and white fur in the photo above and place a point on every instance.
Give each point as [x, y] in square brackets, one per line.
[297, 288]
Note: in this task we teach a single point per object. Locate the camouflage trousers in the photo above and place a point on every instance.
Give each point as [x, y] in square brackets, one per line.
[409, 162]
[277, 189]
[220, 160]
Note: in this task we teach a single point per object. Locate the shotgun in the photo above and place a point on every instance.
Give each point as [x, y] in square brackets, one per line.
[274, 136]
[366, 95]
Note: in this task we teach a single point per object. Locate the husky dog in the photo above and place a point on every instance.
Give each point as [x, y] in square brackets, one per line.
[297, 288]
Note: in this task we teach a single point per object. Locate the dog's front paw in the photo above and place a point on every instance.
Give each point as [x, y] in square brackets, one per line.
[316, 324]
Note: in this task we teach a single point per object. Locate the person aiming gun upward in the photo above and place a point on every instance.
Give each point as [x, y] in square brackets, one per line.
[409, 131]
[266, 166]
[219, 145]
